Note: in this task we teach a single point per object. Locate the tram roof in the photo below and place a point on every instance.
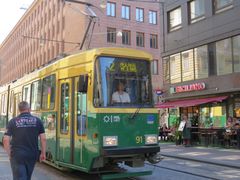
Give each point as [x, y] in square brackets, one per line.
[86, 57]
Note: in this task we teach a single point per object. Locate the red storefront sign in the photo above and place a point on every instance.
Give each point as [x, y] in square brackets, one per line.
[188, 88]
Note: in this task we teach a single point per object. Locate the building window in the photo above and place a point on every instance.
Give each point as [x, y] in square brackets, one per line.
[140, 39]
[224, 56]
[111, 35]
[187, 65]
[175, 68]
[126, 37]
[222, 5]
[236, 53]
[196, 10]
[166, 70]
[152, 17]
[201, 62]
[125, 12]
[174, 19]
[153, 41]
[111, 9]
[154, 67]
[139, 15]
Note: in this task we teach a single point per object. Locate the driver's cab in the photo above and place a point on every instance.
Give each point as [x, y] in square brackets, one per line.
[122, 82]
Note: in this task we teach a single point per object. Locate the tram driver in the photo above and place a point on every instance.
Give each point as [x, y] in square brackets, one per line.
[120, 96]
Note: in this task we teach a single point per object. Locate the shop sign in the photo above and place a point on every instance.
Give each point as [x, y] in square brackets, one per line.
[188, 88]
[158, 92]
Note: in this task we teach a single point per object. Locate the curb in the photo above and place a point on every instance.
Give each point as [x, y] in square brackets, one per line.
[224, 164]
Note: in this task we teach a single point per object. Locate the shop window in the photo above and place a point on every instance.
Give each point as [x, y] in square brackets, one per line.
[174, 118]
[175, 68]
[237, 107]
[201, 62]
[64, 119]
[174, 19]
[187, 65]
[213, 116]
[36, 95]
[48, 92]
[224, 56]
[236, 53]
[196, 10]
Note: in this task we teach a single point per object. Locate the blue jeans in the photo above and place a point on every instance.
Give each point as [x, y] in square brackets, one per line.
[22, 169]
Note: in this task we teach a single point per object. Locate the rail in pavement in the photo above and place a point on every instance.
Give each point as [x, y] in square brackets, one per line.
[216, 156]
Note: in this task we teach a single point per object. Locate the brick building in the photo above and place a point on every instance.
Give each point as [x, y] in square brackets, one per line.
[54, 27]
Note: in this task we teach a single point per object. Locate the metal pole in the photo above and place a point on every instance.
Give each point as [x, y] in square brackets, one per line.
[86, 32]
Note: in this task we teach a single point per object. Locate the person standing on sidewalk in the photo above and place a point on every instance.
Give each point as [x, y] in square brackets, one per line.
[21, 142]
[186, 131]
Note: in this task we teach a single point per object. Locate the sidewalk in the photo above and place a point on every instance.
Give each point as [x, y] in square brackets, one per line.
[217, 156]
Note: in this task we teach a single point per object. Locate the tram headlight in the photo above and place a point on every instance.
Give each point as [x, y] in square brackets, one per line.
[110, 141]
[151, 139]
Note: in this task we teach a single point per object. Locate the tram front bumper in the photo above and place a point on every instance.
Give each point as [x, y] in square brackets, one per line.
[130, 151]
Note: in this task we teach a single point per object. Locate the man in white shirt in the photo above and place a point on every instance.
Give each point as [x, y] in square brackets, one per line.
[120, 96]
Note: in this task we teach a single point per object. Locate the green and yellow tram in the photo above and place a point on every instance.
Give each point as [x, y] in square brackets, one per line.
[85, 129]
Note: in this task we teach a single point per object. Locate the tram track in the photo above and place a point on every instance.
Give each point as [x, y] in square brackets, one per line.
[181, 171]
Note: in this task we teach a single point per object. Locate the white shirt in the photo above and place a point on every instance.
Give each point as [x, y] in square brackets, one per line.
[120, 98]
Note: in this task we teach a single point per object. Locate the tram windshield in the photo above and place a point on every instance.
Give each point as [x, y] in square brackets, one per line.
[122, 82]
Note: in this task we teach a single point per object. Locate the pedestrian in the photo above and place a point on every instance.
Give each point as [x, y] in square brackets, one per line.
[21, 142]
[186, 131]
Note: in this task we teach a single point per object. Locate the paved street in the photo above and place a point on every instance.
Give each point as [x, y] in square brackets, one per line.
[169, 169]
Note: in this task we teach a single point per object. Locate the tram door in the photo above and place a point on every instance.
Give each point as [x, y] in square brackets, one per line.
[80, 116]
[72, 122]
[65, 121]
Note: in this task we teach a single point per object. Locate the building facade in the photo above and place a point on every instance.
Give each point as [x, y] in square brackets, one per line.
[52, 28]
[201, 60]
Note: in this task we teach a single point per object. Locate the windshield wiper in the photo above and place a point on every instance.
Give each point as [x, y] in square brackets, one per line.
[133, 116]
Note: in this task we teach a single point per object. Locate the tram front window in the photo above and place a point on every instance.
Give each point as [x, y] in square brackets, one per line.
[122, 82]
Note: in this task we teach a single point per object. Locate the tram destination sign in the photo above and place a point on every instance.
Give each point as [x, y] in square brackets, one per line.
[187, 88]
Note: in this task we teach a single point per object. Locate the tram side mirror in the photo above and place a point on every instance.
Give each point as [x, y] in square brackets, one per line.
[83, 84]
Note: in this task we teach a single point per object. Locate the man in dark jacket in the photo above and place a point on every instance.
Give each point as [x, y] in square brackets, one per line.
[21, 142]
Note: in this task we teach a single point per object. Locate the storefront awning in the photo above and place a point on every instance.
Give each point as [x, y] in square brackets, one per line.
[190, 102]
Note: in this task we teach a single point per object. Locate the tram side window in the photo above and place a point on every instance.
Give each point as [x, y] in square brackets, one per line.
[48, 92]
[4, 104]
[3, 109]
[81, 113]
[11, 101]
[26, 93]
[36, 89]
[64, 123]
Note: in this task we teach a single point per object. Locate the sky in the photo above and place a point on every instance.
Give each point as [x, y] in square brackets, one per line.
[10, 13]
